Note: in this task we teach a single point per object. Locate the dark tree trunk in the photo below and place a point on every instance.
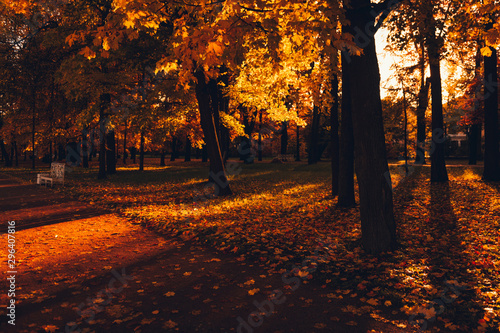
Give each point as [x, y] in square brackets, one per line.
[133, 153]
[219, 103]
[110, 152]
[105, 99]
[33, 127]
[334, 135]
[346, 196]
[84, 148]
[173, 146]
[125, 144]
[475, 129]
[61, 153]
[187, 150]
[297, 143]
[93, 153]
[259, 148]
[204, 153]
[378, 226]
[5, 154]
[50, 151]
[491, 135]
[312, 156]
[423, 102]
[162, 157]
[223, 106]
[284, 138]
[16, 158]
[474, 137]
[225, 142]
[141, 152]
[245, 148]
[217, 174]
[438, 163]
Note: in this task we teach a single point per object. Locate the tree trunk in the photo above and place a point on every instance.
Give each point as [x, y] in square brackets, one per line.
[133, 153]
[84, 148]
[245, 147]
[474, 137]
[204, 153]
[438, 163]
[110, 152]
[423, 102]
[346, 162]
[378, 226]
[125, 145]
[187, 150]
[217, 174]
[141, 152]
[162, 157]
[105, 99]
[491, 135]
[5, 155]
[297, 143]
[334, 135]
[312, 157]
[475, 128]
[16, 158]
[50, 151]
[259, 148]
[173, 146]
[33, 126]
[284, 138]
[61, 153]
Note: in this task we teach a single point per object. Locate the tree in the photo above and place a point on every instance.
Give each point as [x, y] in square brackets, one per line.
[479, 19]
[346, 163]
[491, 131]
[334, 135]
[378, 226]
[434, 44]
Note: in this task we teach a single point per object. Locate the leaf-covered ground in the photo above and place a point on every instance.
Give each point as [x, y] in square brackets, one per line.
[444, 277]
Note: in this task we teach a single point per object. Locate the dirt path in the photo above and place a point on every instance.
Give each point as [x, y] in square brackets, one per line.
[79, 268]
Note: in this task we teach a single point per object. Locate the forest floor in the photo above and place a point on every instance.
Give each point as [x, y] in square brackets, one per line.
[199, 263]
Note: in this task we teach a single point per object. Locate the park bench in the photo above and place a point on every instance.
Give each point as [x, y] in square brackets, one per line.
[56, 174]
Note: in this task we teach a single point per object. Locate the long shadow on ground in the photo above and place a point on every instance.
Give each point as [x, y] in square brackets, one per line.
[32, 206]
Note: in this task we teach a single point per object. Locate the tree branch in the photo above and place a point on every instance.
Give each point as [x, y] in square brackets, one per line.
[255, 9]
[383, 10]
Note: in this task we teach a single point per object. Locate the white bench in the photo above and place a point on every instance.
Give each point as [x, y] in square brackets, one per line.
[56, 175]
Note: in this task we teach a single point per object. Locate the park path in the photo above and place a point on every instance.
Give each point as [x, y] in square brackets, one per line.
[80, 268]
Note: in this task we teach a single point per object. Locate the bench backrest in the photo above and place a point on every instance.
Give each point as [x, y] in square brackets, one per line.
[57, 170]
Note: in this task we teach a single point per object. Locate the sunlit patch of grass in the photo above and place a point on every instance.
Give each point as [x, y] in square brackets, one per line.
[465, 174]
[146, 168]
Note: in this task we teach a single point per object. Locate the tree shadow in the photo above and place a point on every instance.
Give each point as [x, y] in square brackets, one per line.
[447, 258]
[32, 206]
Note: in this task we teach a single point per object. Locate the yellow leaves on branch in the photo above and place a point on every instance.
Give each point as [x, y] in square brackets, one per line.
[88, 53]
[215, 48]
[486, 51]
[166, 66]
